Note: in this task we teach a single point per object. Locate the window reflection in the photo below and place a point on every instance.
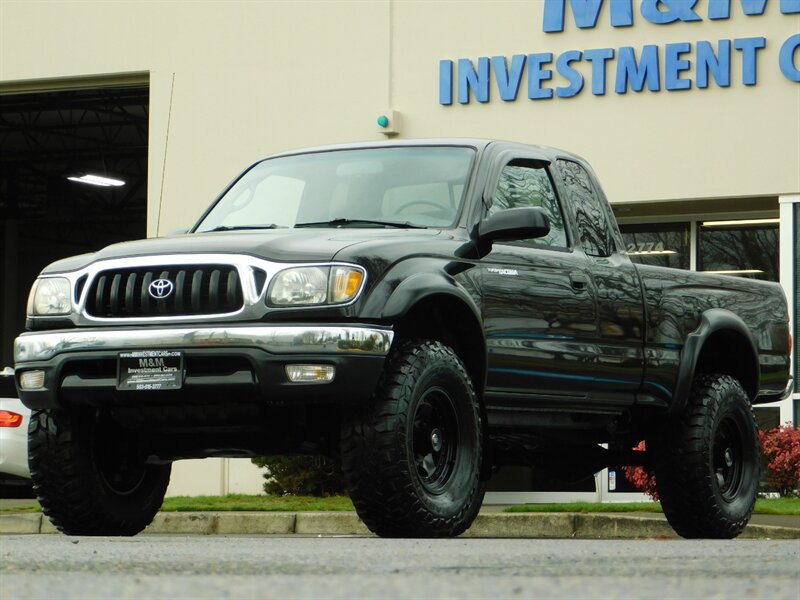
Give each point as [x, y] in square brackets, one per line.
[589, 208]
[525, 185]
[743, 250]
[665, 245]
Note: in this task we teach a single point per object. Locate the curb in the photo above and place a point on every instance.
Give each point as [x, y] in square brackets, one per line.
[488, 525]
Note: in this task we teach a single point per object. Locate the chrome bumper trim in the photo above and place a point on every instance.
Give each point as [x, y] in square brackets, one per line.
[789, 389]
[331, 339]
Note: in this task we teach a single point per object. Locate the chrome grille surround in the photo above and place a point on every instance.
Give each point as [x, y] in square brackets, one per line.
[165, 291]
[253, 274]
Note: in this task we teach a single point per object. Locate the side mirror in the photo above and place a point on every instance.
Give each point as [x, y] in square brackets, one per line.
[514, 224]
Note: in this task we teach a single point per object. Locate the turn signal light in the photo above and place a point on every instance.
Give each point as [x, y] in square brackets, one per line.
[345, 284]
[10, 419]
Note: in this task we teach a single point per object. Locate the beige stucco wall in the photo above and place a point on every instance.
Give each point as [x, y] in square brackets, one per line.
[215, 477]
[233, 81]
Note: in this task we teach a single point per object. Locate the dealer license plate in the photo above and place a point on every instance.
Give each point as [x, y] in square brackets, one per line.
[150, 370]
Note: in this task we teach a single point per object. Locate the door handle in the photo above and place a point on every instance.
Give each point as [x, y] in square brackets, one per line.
[579, 281]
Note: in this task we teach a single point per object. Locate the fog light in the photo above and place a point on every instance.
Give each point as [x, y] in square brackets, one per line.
[32, 380]
[310, 373]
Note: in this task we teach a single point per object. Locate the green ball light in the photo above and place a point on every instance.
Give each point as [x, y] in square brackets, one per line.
[383, 121]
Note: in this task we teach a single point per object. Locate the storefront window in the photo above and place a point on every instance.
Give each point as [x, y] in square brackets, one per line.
[743, 248]
[663, 245]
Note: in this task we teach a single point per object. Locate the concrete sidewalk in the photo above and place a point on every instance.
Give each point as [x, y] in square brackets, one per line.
[489, 524]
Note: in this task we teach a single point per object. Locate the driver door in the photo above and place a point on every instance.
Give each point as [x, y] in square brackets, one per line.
[539, 308]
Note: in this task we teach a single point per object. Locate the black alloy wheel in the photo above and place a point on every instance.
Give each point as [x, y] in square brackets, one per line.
[708, 462]
[435, 440]
[90, 475]
[412, 459]
[727, 463]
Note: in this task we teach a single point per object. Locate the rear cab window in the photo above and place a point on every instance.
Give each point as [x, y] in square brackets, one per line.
[595, 233]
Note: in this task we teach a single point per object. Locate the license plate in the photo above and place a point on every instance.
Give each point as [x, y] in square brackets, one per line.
[150, 370]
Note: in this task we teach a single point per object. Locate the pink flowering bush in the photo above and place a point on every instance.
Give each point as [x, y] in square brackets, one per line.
[781, 449]
[640, 477]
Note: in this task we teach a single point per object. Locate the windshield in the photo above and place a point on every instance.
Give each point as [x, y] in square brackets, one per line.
[375, 187]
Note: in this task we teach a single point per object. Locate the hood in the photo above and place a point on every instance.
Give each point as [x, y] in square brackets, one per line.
[281, 245]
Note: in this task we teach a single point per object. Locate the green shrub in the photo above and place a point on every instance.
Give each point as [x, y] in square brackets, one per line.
[301, 475]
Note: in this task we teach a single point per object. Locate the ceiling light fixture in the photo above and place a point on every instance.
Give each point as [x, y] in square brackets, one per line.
[735, 271]
[651, 252]
[741, 222]
[98, 180]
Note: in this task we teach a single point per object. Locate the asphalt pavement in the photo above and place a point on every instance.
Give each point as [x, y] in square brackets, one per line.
[299, 567]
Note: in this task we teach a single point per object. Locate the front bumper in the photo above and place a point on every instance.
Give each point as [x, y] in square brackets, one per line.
[276, 339]
[244, 363]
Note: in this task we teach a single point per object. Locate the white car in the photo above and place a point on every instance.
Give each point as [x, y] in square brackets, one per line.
[14, 417]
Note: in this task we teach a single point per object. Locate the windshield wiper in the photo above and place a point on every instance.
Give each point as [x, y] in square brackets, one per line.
[238, 227]
[342, 221]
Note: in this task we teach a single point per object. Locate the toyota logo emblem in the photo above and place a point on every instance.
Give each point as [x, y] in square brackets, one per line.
[160, 288]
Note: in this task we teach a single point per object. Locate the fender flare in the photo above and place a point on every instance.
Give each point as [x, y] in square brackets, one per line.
[417, 287]
[711, 322]
[421, 286]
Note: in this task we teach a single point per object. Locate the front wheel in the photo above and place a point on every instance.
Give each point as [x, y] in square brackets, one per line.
[708, 463]
[90, 476]
[412, 460]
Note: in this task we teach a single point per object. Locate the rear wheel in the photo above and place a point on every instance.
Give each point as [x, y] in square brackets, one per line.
[90, 476]
[708, 463]
[412, 460]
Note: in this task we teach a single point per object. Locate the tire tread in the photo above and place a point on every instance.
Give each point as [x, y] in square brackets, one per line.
[376, 472]
[683, 476]
[66, 483]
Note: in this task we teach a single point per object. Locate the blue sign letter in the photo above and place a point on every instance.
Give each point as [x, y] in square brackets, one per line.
[719, 65]
[508, 82]
[575, 78]
[445, 82]
[646, 69]
[790, 7]
[675, 65]
[537, 74]
[676, 10]
[585, 13]
[749, 47]
[788, 52]
[599, 58]
[721, 9]
[469, 79]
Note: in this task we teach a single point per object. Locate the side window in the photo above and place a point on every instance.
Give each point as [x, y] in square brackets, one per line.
[590, 213]
[523, 184]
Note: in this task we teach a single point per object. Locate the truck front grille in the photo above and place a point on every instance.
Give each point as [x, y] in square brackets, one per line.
[196, 290]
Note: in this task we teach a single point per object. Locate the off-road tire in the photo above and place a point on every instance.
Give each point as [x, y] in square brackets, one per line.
[400, 484]
[707, 463]
[80, 485]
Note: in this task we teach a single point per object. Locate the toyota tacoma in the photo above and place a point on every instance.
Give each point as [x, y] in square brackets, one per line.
[422, 311]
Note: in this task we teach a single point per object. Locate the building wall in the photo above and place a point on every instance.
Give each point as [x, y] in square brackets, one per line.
[215, 477]
[233, 81]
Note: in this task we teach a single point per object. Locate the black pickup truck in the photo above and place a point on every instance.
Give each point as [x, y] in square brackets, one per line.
[423, 311]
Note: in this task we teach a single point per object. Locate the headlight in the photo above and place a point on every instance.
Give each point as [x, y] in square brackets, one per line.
[50, 296]
[312, 286]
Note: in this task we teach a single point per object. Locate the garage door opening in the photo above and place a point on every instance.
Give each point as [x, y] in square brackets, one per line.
[73, 179]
